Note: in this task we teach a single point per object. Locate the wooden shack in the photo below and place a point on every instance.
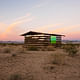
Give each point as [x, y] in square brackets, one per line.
[33, 38]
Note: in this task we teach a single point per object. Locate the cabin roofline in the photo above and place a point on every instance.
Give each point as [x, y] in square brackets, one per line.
[39, 33]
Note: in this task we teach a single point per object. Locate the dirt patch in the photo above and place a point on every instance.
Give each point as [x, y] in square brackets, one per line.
[37, 65]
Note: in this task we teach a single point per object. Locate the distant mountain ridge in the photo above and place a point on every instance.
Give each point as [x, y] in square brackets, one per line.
[17, 42]
[21, 42]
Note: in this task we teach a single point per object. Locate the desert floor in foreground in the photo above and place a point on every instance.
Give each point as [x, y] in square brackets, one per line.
[20, 64]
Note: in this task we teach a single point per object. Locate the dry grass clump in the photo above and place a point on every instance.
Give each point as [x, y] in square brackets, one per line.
[58, 58]
[6, 49]
[47, 48]
[15, 77]
[33, 48]
[71, 50]
[12, 49]
[50, 48]
[43, 48]
[14, 55]
[78, 50]
[19, 49]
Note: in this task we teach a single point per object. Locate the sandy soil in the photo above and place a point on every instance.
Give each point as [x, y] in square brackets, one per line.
[36, 65]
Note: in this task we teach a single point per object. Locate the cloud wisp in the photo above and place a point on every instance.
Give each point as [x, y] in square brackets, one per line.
[65, 29]
[15, 24]
[71, 32]
[48, 27]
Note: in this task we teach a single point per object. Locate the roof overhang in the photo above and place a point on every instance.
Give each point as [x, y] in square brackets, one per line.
[39, 33]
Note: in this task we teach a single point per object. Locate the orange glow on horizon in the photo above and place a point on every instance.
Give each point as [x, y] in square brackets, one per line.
[10, 28]
[67, 31]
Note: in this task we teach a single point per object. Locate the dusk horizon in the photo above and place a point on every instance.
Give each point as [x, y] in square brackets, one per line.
[39, 39]
[48, 16]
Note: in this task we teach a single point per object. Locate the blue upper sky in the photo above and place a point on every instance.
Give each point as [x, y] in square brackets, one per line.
[55, 16]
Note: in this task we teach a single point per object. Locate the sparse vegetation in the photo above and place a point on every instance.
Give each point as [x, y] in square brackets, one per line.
[15, 77]
[58, 58]
[6, 50]
[14, 55]
[19, 66]
[20, 49]
[50, 48]
[33, 48]
[71, 50]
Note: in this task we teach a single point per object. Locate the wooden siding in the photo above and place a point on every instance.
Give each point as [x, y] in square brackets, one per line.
[39, 40]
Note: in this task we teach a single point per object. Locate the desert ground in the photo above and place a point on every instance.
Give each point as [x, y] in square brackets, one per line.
[18, 63]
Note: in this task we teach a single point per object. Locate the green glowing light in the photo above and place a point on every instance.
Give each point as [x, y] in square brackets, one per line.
[53, 39]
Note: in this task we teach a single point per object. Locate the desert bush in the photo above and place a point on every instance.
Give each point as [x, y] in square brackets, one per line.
[6, 50]
[58, 58]
[21, 50]
[50, 48]
[14, 55]
[47, 48]
[18, 49]
[71, 49]
[33, 48]
[15, 77]
[78, 50]
[0, 50]
[3, 44]
[43, 48]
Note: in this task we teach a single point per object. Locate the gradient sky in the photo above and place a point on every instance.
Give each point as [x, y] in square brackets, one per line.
[52, 16]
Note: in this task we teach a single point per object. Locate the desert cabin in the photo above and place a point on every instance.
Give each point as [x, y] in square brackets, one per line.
[38, 39]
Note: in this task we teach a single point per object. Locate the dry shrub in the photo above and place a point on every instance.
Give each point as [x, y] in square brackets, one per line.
[6, 49]
[33, 48]
[43, 48]
[12, 49]
[58, 58]
[50, 48]
[14, 55]
[15, 77]
[47, 48]
[0, 50]
[18, 49]
[71, 50]
[78, 50]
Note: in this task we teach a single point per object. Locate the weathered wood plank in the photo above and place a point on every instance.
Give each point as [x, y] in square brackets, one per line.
[41, 40]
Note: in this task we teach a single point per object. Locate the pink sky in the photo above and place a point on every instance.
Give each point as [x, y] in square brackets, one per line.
[50, 16]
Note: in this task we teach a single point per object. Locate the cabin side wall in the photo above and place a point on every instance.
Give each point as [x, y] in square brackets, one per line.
[58, 40]
[41, 41]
